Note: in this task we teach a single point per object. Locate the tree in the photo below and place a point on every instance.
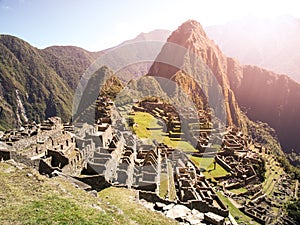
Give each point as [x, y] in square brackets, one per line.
[130, 121]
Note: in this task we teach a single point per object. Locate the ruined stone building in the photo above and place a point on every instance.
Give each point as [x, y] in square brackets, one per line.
[46, 146]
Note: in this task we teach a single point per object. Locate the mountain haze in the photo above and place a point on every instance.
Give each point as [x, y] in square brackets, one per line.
[268, 97]
[271, 44]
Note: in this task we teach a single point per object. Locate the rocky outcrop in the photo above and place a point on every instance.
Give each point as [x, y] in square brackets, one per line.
[194, 58]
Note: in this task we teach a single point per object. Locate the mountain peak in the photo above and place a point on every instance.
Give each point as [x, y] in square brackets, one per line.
[198, 52]
[188, 33]
[191, 26]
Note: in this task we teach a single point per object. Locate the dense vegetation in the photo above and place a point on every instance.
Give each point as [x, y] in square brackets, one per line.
[264, 134]
[45, 80]
[294, 210]
[294, 158]
[260, 169]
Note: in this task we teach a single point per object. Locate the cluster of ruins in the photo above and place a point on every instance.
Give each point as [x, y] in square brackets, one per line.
[46, 146]
[104, 149]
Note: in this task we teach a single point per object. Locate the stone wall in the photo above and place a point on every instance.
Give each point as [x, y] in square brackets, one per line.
[147, 186]
[23, 159]
[58, 160]
[152, 197]
[97, 182]
[257, 219]
[251, 179]
[37, 164]
[4, 154]
[223, 164]
[44, 168]
[235, 185]
[202, 206]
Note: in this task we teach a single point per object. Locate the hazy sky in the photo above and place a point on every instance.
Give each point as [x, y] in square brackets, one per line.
[98, 24]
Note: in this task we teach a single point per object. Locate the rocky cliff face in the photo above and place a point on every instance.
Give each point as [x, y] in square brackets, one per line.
[190, 53]
[270, 98]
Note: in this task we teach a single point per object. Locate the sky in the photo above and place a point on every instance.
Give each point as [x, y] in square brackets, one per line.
[98, 24]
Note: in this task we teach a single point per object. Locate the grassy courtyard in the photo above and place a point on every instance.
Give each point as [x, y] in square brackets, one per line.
[207, 164]
[163, 185]
[167, 186]
[155, 132]
[239, 190]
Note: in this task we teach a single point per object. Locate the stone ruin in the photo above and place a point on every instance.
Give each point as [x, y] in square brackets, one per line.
[110, 155]
[46, 146]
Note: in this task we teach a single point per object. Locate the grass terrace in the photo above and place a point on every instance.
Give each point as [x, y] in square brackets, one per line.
[167, 186]
[207, 164]
[235, 212]
[125, 201]
[273, 173]
[164, 185]
[239, 190]
[147, 128]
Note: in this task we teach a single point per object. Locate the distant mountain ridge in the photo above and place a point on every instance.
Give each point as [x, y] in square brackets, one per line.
[69, 62]
[28, 83]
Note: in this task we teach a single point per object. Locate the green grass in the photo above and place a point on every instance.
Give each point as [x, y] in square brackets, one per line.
[36, 199]
[172, 189]
[272, 175]
[235, 212]
[239, 190]
[167, 186]
[164, 185]
[207, 164]
[125, 200]
[145, 120]
[56, 209]
[26, 197]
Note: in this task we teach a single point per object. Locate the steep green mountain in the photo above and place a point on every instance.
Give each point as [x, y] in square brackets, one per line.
[36, 84]
[69, 62]
[30, 89]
